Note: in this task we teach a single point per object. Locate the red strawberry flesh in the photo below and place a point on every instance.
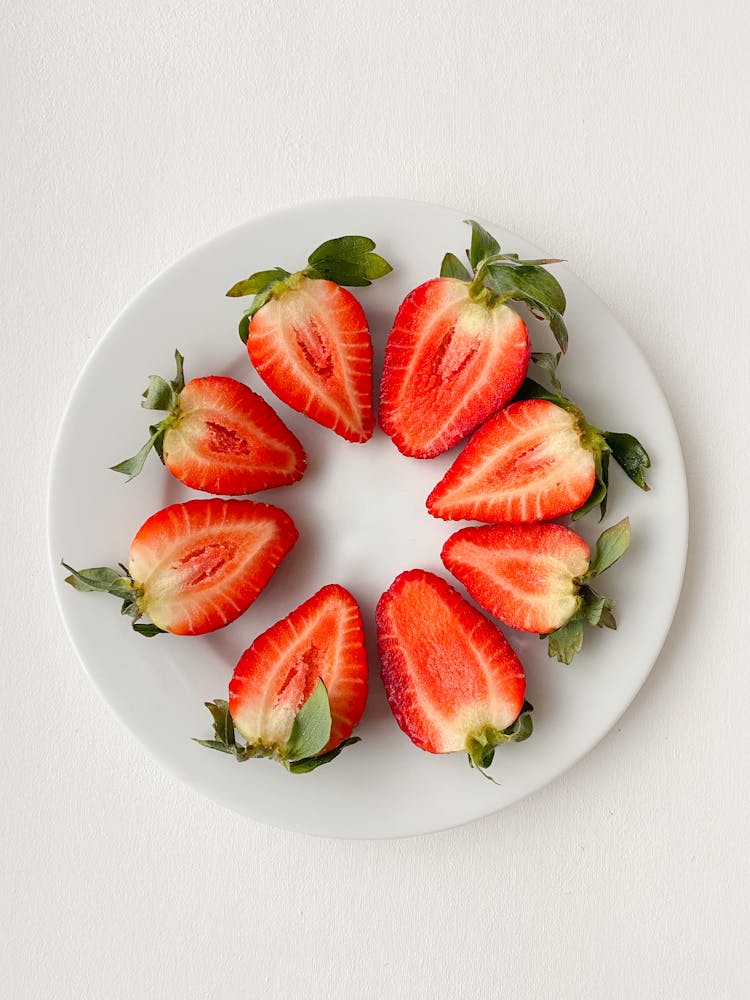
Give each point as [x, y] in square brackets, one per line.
[528, 463]
[450, 363]
[449, 673]
[525, 575]
[227, 439]
[311, 345]
[197, 566]
[321, 639]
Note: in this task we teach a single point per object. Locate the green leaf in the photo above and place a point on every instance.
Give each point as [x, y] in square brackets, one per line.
[157, 432]
[223, 722]
[312, 726]
[598, 495]
[482, 244]
[523, 727]
[148, 630]
[559, 330]
[258, 282]
[214, 745]
[347, 260]
[548, 362]
[610, 546]
[131, 467]
[342, 248]
[122, 587]
[593, 606]
[540, 285]
[244, 327]
[99, 578]
[533, 390]
[565, 642]
[159, 395]
[178, 382]
[630, 454]
[453, 268]
[308, 764]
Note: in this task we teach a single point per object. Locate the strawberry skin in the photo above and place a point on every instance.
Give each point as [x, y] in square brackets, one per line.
[198, 566]
[322, 639]
[450, 362]
[524, 574]
[311, 345]
[452, 680]
[528, 463]
[227, 439]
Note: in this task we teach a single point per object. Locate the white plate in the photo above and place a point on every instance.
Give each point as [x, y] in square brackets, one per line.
[361, 516]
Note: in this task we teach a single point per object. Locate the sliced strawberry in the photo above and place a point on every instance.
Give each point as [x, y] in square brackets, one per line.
[220, 436]
[308, 337]
[535, 577]
[196, 566]
[534, 461]
[450, 362]
[300, 689]
[526, 464]
[457, 352]
[311, 346]
[524, 574]
[451, 678]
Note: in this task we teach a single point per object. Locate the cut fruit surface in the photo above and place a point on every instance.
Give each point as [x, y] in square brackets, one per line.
[528, 463]
[450, 676]
[322, 639]
[311, 345]
[450, 362]
[526, 575]
[227, 439]
[197, 566]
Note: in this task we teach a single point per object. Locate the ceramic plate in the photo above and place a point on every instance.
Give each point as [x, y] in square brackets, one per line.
[362, 520]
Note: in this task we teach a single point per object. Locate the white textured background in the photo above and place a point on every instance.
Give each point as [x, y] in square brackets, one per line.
[614, 135]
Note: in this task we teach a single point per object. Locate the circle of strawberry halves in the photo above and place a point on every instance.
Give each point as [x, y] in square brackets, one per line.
[195, 566]
[537, 577]
[458, 352]
[308, 337]
[219, 436]
[536, 460]
[300, 689]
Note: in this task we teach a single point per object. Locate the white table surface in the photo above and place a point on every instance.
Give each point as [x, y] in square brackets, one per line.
[614, 135]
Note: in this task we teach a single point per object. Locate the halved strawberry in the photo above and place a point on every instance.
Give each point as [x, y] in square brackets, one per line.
[457, 351]
[220, 436]
[534, 461]
[196, 566]
[451, 678]
[535, 577]
[300, 689]
[308, 337]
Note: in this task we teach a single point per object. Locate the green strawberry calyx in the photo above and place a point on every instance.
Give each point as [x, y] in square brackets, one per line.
[593, 608]
[346, 260]
[480, 745]
[311, 731]
[626, 449]
[119, 584]
[496, 278]
[158, 395]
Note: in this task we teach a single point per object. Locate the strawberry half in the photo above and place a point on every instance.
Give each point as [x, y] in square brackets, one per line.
[298, 692]
[220, 436]
[308, 337]
[196, 566]
[451, 678]
[536, 460]
[535, 577]
[457, 351]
